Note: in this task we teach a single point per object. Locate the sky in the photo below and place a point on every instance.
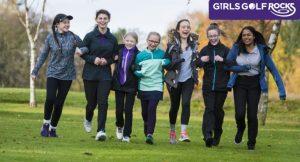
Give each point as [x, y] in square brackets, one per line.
[144, 15]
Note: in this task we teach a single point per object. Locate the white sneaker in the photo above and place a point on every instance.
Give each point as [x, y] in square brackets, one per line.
[100, 136]
[126, 139]
[87, 126]
[119, 133]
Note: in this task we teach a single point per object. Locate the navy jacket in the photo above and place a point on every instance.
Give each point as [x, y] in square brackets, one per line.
[266, 60]
[130, 86]
[99, 45]
[215, 77]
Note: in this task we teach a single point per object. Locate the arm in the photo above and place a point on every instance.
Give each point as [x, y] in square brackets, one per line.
[42, 57]
[110, 60]
[230, 62]
[87, 57]
[271, 66]
[81, 45]
[168, 55]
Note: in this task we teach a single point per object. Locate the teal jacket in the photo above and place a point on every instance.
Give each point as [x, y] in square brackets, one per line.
[150, 69]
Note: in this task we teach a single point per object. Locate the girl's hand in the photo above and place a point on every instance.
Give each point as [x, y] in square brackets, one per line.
[116, 58]
[78, 52]
[103, 61]
[33, 77]
[219, 58]
[204, 58]
[97, 61]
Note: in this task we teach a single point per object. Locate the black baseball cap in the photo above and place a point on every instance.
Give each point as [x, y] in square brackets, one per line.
[62, 17]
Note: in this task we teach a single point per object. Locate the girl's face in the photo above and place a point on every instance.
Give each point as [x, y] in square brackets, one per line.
[184, 29]
[102, 21]
[63, 26]
[213, 37]
[129, 42]
[153, 41]
[247, 37]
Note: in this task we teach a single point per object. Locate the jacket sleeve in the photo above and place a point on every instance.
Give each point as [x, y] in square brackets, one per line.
[271, 66]
[171, 48]
[80, 44]
[110, 60]
[88, 57]
[199, 62]
[42, 57]
[230, 62]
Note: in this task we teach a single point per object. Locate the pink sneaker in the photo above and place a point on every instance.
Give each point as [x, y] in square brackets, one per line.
[173, 137]
[184, 137]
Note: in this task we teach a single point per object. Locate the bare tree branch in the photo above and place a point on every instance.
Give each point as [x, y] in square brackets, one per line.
[40, 21]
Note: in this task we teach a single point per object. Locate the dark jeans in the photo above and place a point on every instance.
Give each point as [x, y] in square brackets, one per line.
[124, 103]
[149, 115]
[246, 98]
[213, 114]
[96, 93]
[57, 91]
[183, 90]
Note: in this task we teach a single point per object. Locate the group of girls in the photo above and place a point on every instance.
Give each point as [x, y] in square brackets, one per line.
[141, 73]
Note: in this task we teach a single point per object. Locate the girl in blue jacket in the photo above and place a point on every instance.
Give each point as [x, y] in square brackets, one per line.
[247, 60]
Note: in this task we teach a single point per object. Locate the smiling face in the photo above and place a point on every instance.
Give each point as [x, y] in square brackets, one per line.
[184, 29]
[63, 26]
[153, 41]
[102, 21]
[213, 37]
[247, 37]
[129, 41]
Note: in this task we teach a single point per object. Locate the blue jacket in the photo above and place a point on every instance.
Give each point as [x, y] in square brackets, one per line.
[61, 63]
[266, 60]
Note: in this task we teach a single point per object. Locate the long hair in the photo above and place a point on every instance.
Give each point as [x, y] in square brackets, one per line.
[53, 27]
[258, 39]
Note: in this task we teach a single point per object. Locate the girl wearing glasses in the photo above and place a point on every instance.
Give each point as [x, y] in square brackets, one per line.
[150, 63]
[214, 87]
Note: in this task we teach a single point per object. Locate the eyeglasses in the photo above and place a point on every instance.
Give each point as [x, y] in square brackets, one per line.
[153, 41]
[213, 36]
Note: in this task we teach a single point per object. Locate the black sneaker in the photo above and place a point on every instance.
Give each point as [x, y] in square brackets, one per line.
[45, 130]
[251, 147]
[208, 142]
[238, 137]
[149, 139]
[216, 141]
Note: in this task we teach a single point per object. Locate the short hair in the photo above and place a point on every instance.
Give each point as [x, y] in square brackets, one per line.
[154, 33]
[133, 34]
[103, 11]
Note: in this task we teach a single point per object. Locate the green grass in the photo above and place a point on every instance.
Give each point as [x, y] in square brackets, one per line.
[20, 125]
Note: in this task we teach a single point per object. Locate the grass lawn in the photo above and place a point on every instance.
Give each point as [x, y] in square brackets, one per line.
[20, 138]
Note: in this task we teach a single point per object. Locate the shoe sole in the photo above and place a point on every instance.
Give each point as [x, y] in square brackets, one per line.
[184, 140]
[101, 138]
[237, 143]
[148, 141]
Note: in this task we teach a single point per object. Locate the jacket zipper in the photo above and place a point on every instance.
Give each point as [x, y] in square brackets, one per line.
[215, 66]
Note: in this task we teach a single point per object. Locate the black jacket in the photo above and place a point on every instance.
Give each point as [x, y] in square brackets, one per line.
[215, 77]
[173, 53]
[130, 86]
[99, 45]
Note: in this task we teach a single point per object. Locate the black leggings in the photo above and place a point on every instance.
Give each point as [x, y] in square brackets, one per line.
[124, 103]
[184, 90]
[57, 91]
[96, 93]
[246, 98]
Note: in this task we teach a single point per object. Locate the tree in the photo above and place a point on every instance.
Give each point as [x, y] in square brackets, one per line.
[32, 35]
[263, 103]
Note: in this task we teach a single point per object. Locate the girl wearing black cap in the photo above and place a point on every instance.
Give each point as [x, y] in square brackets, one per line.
[215, 79]
[97, 75]
[61, 44]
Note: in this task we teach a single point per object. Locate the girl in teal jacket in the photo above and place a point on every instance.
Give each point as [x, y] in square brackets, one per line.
[150, 63]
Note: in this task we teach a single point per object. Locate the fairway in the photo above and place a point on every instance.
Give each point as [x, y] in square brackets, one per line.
[20, 138]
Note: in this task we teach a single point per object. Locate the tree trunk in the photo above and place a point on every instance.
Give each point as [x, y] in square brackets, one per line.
[263, 104]
[32, 101]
